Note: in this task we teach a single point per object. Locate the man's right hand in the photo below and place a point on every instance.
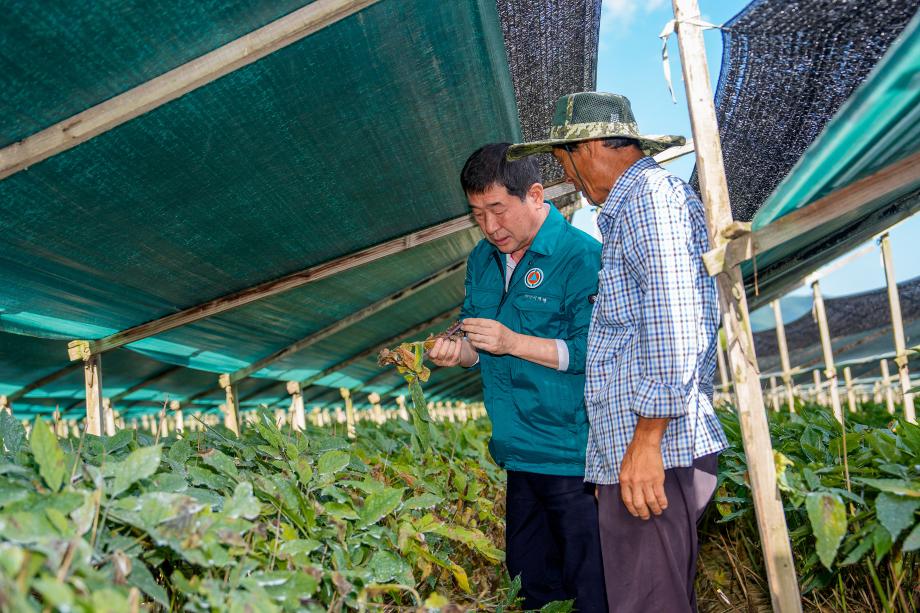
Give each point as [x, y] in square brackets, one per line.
[446, 352]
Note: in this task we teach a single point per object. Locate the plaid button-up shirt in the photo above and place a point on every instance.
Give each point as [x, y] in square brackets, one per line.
[651, 345]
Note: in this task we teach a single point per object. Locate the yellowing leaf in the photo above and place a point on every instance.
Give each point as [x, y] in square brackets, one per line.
[828, 517]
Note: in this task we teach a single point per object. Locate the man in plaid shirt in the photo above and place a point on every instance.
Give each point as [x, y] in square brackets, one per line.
[654, 438]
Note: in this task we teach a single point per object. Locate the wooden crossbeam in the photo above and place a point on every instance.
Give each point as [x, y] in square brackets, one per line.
[144, 383]
[893, 179]
[175, 83]
[341, 324]
[40, 383]
[84, 349]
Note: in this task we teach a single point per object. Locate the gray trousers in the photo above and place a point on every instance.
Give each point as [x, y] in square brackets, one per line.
[650, 565]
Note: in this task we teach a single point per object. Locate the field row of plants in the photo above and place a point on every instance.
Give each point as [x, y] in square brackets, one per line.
[406, 518]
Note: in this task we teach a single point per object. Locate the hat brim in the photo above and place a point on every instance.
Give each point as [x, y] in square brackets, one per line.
[650, 144]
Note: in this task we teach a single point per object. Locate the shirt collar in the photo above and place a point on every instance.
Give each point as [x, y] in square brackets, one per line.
[621, 189]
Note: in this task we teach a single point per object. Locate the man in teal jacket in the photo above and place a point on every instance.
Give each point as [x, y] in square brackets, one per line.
[529, 293]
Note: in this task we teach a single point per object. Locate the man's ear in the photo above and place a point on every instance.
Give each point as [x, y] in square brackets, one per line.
[535, 194]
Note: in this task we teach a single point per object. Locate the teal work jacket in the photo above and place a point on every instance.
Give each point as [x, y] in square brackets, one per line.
[539, 423]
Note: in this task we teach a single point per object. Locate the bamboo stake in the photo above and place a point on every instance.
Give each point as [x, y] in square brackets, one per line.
[774, 395]
[851, 393]
[231, 409]
[829, 370]
[819, 388]
[886, 384]
[784, 354]
[349, 412]
[176, 407]
[742, 360]
[109, 416]
[92, 376]
[897, 327]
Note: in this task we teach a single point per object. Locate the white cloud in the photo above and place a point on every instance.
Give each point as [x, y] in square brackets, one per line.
[618, 15]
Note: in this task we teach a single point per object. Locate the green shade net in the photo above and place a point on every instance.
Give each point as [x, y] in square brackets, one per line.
[345, 139]
[878, 126]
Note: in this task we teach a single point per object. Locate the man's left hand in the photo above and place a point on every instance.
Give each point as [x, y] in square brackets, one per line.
[642, 479]
[489, 335]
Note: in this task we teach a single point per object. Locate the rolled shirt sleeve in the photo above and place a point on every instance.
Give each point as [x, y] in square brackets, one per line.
[661, 256]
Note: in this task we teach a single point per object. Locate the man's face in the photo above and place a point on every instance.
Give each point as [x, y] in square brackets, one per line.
[508, 222]
[583, 178]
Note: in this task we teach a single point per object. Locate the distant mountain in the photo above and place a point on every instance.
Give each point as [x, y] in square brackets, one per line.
[793, 307]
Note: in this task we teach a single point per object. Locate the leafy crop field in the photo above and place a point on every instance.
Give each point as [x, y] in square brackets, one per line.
[281, 521]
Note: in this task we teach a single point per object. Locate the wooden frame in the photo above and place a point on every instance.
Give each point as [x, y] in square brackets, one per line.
[897, 177]
[175, 83]
[771, 520]
[92, 377]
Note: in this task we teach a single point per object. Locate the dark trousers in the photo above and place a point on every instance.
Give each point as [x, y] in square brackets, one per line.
[650, 565]
[552, 541]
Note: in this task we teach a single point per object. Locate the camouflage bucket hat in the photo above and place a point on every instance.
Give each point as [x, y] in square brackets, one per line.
[589, 115]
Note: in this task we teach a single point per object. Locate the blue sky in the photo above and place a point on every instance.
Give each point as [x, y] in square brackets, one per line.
[629, 62]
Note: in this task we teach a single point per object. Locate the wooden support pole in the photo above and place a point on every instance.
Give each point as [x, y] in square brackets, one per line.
[5, 406]
[886, 386]
[108, 415]
[742, 359]
[92, 377]
[298, 416]
[774, 395]
[784, 355]
[349, 412]
[830, 371]
[897, 328]
[231, 409]
[819, 392]
[176, 407]
[851, 392]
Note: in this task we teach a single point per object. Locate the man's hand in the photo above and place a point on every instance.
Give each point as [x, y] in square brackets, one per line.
[490, 335]
[446, 352]
[642, 471]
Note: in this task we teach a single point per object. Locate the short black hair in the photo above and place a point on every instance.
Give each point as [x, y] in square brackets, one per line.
[489, 166]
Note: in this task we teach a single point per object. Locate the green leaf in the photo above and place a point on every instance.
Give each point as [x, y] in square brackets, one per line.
[892, 486]
[220, 462]
[243, 503]
[858, 552]
[380, 504]
[303, 469]
[47, 452]
[142, 579]
[882, 542]
[140, 464]
[55, 593]
[423, 501]
[828, 518]
[896, 513]
[117, 441]
[12, 434]
[559, 606]
[386, 567]
[912, 542]
[332, 462]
